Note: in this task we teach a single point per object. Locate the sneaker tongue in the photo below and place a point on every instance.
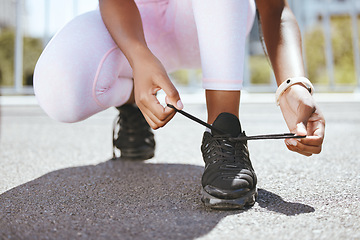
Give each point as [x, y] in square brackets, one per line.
[227, 123]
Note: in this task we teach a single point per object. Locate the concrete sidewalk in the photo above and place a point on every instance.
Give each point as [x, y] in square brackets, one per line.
[57, 180]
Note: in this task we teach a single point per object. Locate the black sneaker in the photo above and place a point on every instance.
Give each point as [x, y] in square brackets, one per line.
[132, 134]
[229, 180]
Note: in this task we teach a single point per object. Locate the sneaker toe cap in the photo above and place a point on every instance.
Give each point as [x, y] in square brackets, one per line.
[230, 185]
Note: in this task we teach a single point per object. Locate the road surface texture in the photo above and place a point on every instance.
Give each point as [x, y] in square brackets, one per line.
[57, 180]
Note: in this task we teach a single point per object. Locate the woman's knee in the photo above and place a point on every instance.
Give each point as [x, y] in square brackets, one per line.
[65, 71]
[62, 103]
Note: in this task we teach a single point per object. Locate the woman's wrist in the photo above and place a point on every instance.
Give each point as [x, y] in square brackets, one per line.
[302, 81]
[137, 53]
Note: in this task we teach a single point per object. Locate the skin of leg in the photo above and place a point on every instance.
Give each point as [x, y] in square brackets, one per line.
[218, 101]
[131, 99]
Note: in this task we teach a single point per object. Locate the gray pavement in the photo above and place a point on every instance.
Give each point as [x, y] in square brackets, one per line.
[57, 180]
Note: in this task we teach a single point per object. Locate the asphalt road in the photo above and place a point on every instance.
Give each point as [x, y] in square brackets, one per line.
[57, 181]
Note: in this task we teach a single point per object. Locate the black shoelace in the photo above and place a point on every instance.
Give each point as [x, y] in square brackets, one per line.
[240, 138]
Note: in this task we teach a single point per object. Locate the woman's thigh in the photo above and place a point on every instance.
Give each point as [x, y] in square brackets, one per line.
[164, 22]
[81, 71]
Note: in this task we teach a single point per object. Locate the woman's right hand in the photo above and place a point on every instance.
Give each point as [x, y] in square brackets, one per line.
[150, 77]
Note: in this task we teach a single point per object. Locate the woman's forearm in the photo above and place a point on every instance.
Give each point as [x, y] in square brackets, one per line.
[282, 37]
[123, 21]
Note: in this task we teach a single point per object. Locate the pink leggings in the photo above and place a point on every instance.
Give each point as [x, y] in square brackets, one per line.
[82, 71]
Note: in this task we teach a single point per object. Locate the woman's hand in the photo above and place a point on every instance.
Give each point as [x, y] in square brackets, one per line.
[150, 77]
[303, 117]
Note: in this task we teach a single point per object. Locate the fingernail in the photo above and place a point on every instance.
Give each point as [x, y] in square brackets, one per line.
[179, 105]
[292, 142]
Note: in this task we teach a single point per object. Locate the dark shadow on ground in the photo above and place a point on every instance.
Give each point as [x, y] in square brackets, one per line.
[117, 200]
[112, 200]
[275, 203]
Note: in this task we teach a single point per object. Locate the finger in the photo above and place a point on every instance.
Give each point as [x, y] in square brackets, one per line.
[151, 105]
[304, 113]
[161, 123]
[312, 141]
[300, 147]
[320, 130]
[150, 122]
[172, 95]
[292, 148]
[156, 122]
[147, 110]
[168, 118]
[311, 149]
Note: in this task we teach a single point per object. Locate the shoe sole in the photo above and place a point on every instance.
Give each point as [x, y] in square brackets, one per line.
[245, 201]
[136, 155]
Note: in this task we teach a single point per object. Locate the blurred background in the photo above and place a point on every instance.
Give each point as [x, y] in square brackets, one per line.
[330, 31]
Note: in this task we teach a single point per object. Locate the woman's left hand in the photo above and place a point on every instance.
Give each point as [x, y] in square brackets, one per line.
[303, 117]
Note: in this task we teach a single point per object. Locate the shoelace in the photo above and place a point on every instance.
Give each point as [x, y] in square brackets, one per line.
[240, 138]
[227, 148]
[229, 153]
